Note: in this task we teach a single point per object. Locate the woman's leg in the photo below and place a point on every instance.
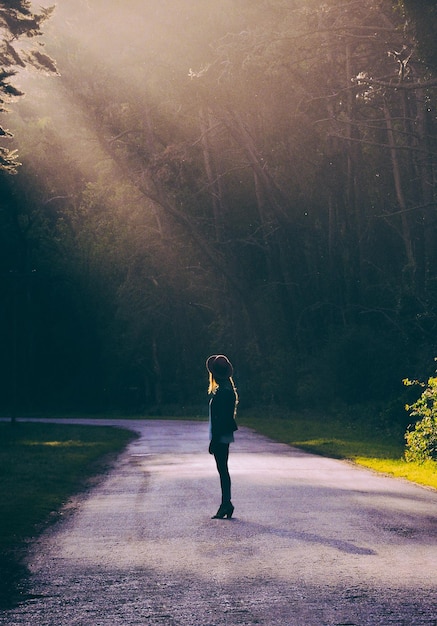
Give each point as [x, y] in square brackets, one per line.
[221, 455]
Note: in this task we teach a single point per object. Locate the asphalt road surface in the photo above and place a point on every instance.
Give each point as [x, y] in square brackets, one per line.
[313, 542]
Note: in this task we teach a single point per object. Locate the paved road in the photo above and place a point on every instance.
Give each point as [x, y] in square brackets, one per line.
[314, 542]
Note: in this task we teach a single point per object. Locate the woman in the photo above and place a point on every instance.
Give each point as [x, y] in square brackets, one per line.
[222, 424]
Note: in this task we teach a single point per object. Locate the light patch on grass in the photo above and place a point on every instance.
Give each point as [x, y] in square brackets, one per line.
[422, 474]
[62, 444]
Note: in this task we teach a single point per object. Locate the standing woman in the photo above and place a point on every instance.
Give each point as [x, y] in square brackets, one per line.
[222, 424]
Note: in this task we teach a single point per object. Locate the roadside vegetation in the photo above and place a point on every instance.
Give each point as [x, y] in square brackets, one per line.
[41, 466]
[355, 434]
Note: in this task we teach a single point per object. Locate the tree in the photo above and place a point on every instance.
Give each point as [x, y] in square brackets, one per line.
[423, 14]
[18, 23]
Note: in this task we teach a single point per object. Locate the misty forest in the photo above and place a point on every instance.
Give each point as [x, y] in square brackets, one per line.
[187, 177]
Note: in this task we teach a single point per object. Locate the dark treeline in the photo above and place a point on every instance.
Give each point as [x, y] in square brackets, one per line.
[249, 177]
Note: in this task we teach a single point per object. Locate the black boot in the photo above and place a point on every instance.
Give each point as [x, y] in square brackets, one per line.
[225, 510]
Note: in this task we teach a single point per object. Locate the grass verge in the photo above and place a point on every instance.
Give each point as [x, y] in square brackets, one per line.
[41, 466]
[364, 442]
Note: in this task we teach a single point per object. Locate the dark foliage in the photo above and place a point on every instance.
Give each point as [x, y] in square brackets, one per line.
[261, 185]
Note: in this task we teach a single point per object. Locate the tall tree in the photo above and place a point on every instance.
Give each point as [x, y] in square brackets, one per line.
[18, 24]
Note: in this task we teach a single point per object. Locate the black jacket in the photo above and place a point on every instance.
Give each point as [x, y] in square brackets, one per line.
[222, 407]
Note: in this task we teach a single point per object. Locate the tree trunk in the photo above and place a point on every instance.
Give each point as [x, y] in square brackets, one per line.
[410, 268]
[213, 177]
[426, 175]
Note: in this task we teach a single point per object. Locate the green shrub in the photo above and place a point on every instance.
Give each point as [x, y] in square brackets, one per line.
[421, 437]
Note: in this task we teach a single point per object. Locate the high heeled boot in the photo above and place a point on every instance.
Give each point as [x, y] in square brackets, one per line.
[226, 509]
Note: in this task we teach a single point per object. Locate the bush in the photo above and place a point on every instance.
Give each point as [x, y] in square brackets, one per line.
[421, 437]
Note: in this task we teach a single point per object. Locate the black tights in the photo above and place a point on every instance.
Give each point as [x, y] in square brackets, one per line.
[221, 455]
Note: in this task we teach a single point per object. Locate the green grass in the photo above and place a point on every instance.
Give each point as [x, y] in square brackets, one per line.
[41, 465]
[359, 440]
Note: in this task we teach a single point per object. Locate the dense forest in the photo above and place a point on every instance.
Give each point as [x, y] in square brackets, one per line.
[252, 177]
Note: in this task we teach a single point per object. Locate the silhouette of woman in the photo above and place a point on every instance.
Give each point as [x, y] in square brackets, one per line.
[222, 424]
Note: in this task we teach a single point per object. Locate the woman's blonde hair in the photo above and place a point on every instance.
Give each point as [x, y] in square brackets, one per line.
[214, 385]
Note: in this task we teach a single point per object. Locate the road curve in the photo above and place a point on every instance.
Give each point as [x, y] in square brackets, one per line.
[314, 542]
